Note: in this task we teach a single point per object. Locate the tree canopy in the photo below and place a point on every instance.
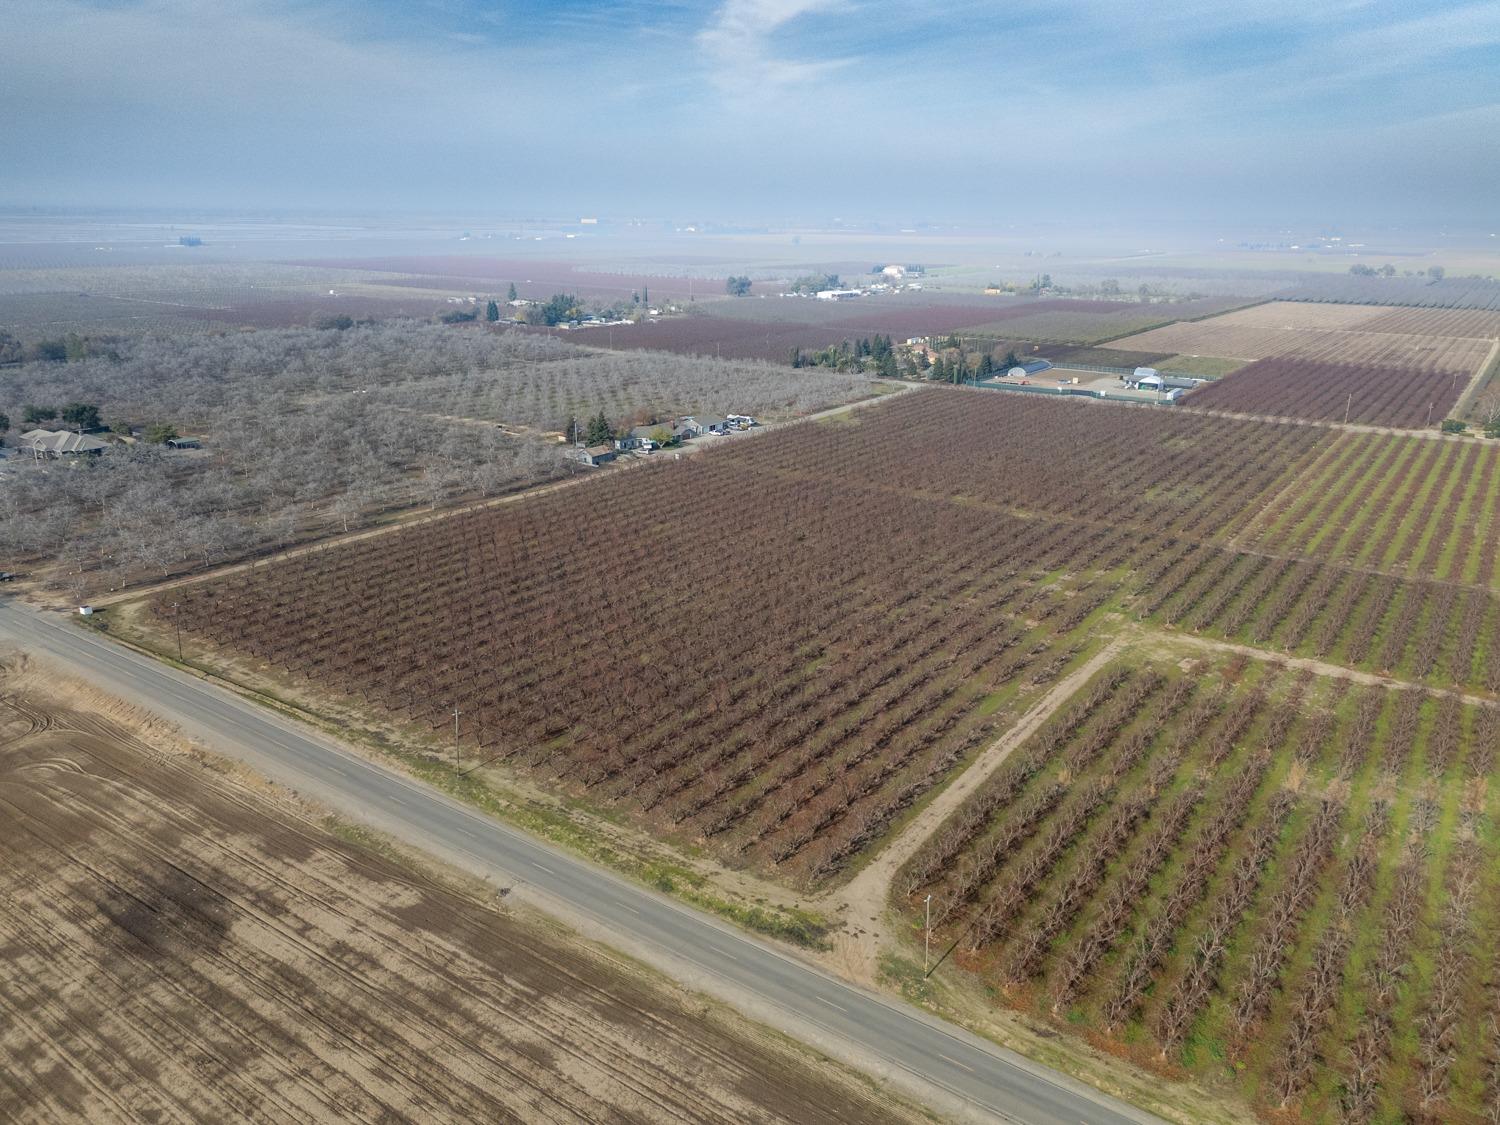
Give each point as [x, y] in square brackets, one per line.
[83, 415]
[599, 431]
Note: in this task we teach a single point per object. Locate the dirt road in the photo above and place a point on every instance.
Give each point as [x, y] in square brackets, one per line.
[865, 895]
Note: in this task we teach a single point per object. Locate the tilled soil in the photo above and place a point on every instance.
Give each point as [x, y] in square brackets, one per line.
[174, 947]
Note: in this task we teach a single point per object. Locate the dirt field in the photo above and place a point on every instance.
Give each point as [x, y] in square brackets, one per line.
[1427, 339]
[177, 947]
[1479, 324]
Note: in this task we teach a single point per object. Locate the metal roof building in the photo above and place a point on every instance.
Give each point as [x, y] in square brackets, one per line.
[61, 443]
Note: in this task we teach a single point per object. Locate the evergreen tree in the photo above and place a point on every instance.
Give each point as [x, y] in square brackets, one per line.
[82, 415]
[492, 312]
[599, 431]
[510, 294]
[645, 295]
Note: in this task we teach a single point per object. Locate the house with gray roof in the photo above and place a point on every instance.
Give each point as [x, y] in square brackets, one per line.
[61, 443]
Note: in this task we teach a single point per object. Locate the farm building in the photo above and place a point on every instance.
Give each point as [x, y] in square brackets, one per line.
[1030, 367]
[61, 443]
[645, 437]
[690, 427]
[837, 294]
[713, 425]
[592, 454]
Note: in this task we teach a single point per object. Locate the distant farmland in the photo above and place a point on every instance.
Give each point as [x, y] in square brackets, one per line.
[772, 328]
[1333, 362]
[739, 338]
[532, 278]
[1421, 292]
[132, 298]
[1337, 334]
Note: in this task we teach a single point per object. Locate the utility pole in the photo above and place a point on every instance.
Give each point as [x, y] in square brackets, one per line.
[1430, 405]
[1348, 406]
[927, 936]
[177, 623]
[457, 761]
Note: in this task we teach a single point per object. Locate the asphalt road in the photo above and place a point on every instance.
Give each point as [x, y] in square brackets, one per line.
[992, 1081]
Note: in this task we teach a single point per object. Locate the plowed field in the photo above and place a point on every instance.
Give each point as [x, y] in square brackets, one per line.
[175, 948]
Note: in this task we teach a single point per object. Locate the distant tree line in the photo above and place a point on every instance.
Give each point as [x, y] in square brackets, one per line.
[816, 282]
[1437, 273]
[60, 349]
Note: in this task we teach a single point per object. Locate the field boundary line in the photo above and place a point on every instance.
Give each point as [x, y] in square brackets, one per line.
[1433, 434]
[1321, 667]
[1487, 372]
[872, 885]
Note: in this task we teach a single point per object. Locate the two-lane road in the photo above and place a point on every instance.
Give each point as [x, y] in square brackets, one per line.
[916, 1049]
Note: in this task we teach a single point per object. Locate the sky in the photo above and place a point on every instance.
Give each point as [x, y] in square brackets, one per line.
[1268, 112]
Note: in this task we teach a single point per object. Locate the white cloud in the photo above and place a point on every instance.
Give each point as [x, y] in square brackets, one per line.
[742, 46]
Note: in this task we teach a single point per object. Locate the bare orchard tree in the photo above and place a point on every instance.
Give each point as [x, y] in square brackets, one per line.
[1487, 408]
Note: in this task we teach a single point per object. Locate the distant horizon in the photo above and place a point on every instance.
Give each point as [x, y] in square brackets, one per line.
[480, 224]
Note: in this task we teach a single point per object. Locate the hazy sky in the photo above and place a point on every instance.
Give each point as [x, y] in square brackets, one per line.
[1269, 111]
